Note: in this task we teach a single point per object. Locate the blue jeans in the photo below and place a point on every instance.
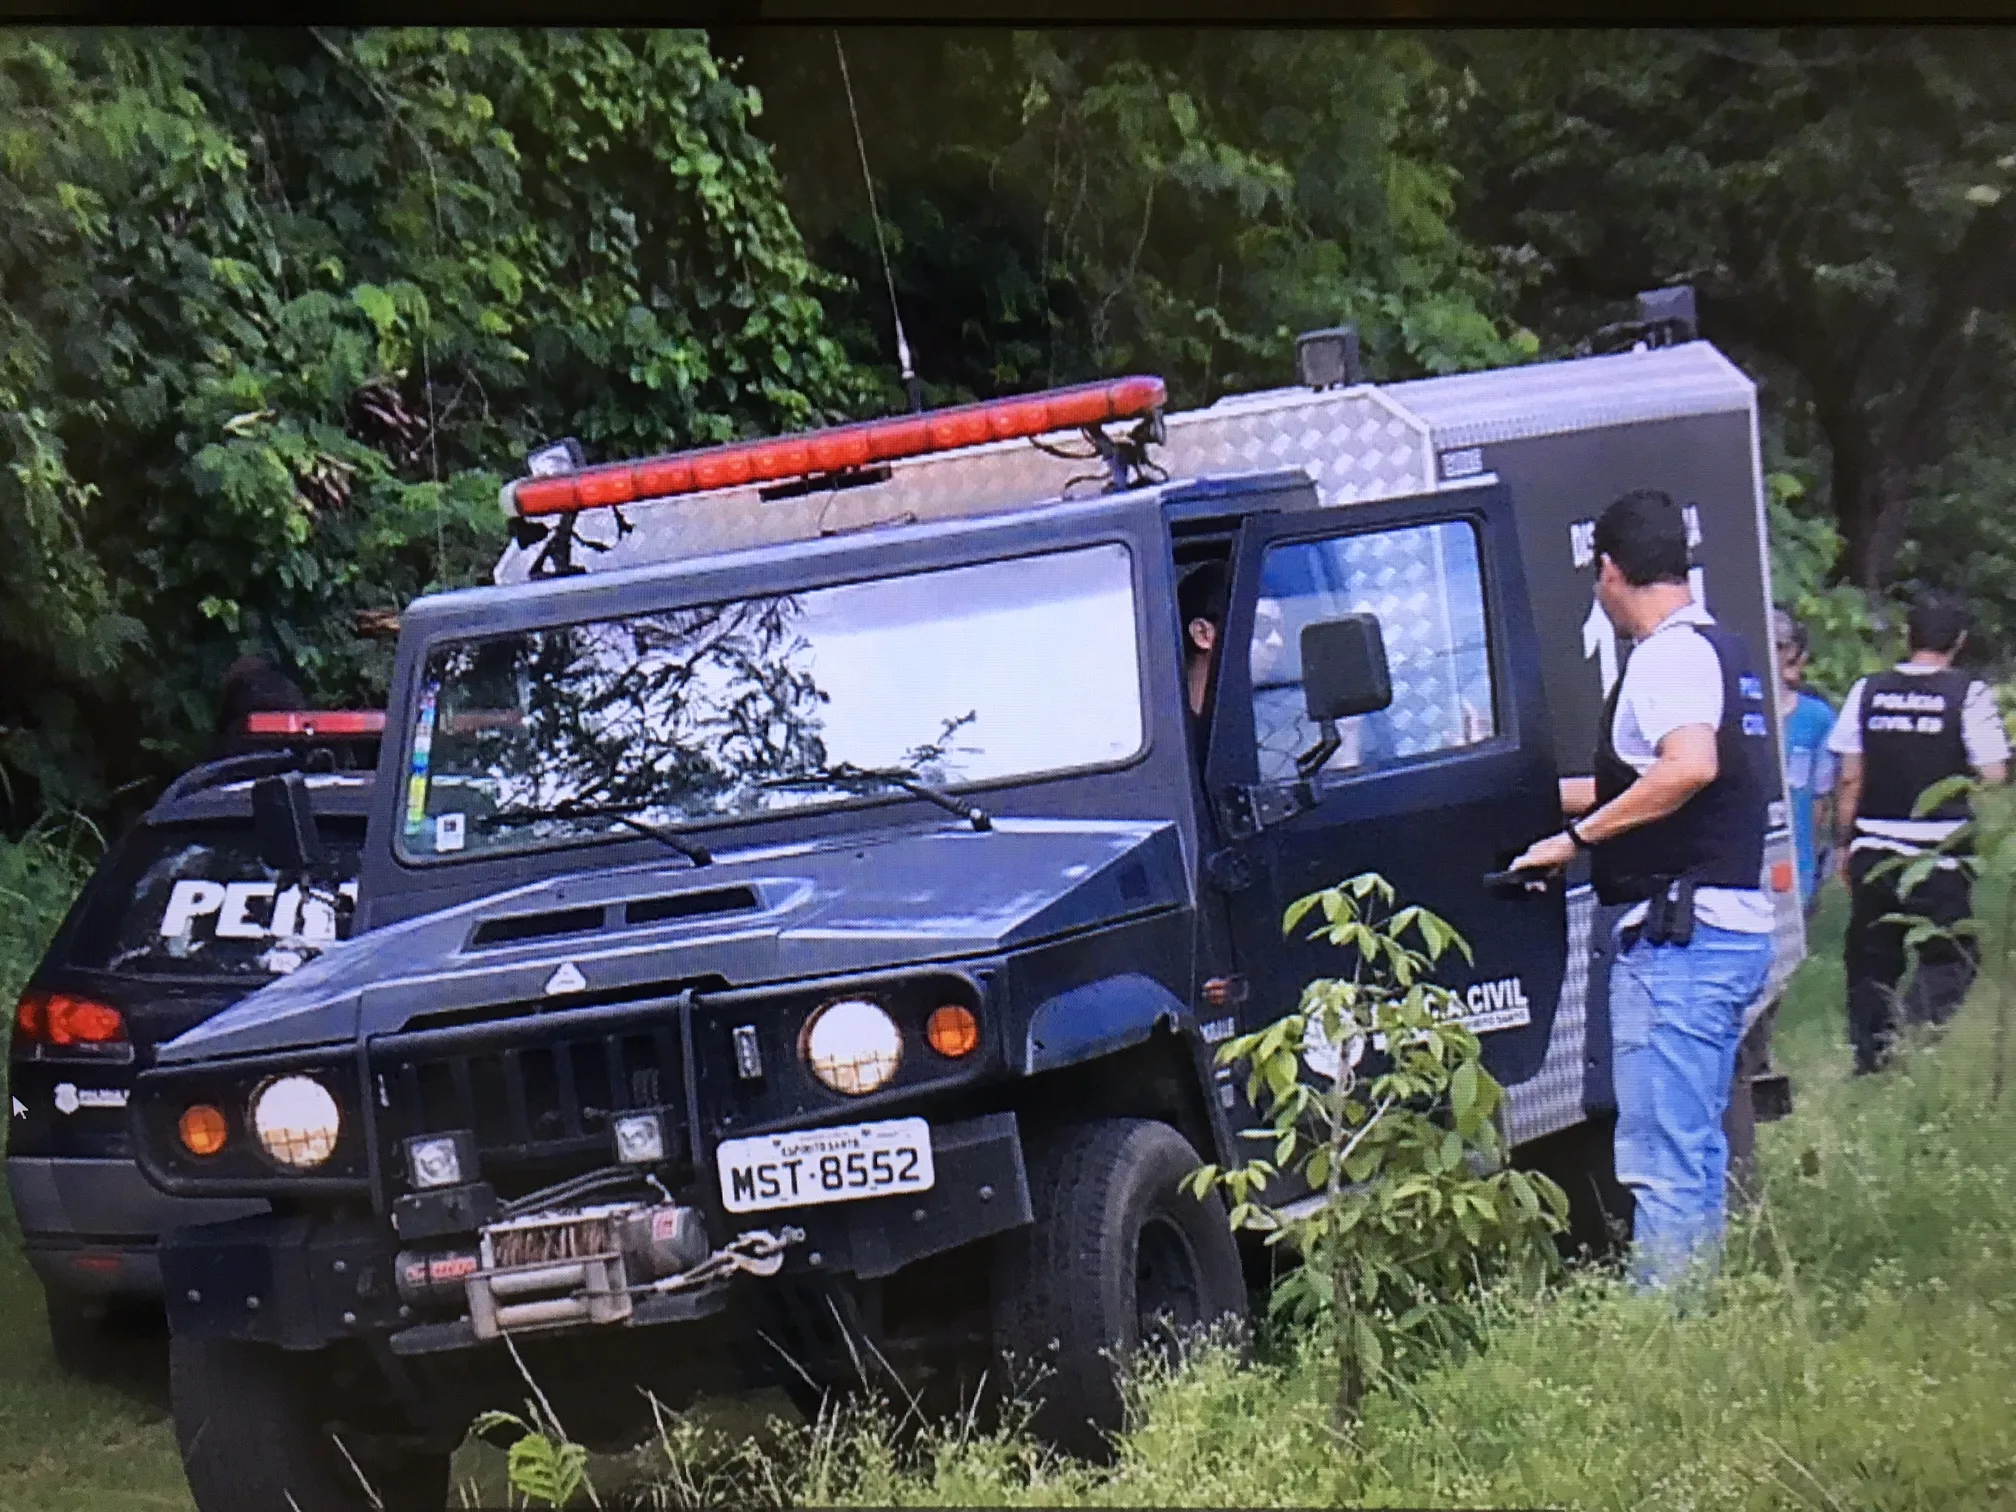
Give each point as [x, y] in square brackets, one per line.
[1676, 1015]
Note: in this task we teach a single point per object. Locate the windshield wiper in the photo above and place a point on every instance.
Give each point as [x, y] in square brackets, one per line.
[846, 774]
[624, 814]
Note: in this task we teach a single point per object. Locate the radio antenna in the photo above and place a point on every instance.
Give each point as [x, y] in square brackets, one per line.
[910, 383]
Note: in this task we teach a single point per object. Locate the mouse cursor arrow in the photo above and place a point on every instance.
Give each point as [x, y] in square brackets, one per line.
[20, 1108]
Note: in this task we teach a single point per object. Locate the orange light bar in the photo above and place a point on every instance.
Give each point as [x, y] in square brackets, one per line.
[310, 723]
[782, 458]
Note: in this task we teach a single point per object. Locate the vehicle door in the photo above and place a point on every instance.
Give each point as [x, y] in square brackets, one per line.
[1446, 784]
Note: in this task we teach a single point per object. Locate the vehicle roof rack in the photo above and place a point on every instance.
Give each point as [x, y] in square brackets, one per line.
[300, 739]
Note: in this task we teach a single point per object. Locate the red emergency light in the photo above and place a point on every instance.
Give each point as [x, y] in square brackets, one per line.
[840, 449]
[311, 724]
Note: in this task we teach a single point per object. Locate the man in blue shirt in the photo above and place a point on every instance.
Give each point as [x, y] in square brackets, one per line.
[1809, 766]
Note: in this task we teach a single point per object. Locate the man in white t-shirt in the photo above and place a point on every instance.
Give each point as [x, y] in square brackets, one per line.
[1674, 818]
[1900, 733]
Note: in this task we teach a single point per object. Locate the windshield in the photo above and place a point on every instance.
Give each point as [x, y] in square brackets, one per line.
[965, 675]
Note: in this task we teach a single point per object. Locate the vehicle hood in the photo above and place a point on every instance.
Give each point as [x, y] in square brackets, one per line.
[897, 897]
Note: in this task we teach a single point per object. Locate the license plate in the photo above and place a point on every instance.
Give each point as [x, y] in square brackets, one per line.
[825, 1165]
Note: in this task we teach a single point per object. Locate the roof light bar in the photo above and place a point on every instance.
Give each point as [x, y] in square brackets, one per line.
[839, 449]
[310, 724]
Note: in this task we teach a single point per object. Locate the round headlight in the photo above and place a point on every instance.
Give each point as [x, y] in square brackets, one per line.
[853, 1046]
[296, 1121]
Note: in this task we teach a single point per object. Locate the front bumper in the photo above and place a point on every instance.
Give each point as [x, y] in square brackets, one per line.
[302, 1283]
[89, 1226]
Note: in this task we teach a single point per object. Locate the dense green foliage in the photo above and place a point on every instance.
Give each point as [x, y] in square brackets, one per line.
[279, 309]
[1065, 204]
[283, 308]
[1840, 199]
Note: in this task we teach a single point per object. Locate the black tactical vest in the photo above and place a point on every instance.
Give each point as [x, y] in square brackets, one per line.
[1717, 836]
[1911, 738]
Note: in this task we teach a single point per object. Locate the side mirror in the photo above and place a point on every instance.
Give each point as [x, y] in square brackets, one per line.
[1344, 669]
[283, 824]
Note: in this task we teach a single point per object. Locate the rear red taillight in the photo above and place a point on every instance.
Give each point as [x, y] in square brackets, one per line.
[62, 1020]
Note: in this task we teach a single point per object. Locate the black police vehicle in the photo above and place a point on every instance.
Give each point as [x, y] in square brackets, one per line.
[797, 920]
[180, 919]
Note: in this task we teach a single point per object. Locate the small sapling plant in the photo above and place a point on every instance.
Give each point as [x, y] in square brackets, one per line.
[1375, 1096]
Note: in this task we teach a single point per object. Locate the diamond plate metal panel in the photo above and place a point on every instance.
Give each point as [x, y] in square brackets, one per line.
[1357, 444]
[1586, 393]
[1551, 1098]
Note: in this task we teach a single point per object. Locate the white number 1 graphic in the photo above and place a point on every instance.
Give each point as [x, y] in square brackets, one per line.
[1599, 639]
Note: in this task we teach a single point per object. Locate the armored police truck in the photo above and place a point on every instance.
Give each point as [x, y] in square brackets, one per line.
[800, 901]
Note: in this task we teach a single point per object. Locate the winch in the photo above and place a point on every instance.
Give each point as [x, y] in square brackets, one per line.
[579, 1265]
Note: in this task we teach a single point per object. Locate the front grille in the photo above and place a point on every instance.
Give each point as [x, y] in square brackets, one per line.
[537, 1096]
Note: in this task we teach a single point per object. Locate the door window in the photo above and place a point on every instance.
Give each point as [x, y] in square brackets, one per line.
[1425, 584]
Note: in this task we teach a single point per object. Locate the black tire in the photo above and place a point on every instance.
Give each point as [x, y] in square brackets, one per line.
[1119, 1258]
[76, 1334]
[253, 1440]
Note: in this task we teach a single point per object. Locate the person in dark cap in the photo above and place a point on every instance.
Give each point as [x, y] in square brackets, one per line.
[1900, 732]
[252, 684]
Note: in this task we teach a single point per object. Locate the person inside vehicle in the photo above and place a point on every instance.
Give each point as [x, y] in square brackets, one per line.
[252, 685]
[1674, 819]
[1280, 714]
[1201, 597]
[1900, 732]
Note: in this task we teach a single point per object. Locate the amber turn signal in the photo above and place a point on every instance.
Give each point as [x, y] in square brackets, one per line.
[952, 1031]
[202, 1129]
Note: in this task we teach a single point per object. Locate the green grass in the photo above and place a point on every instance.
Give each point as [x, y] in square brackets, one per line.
[1860, 1352]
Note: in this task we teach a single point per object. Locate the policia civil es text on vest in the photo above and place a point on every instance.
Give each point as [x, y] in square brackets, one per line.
[1674, 817]
[1900, 732]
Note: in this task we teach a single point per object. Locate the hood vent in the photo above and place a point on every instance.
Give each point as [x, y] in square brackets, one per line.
[513, 928]
[690, 905]
[700, 903]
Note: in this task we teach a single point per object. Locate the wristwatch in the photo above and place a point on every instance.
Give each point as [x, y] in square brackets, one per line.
[1575, 837]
